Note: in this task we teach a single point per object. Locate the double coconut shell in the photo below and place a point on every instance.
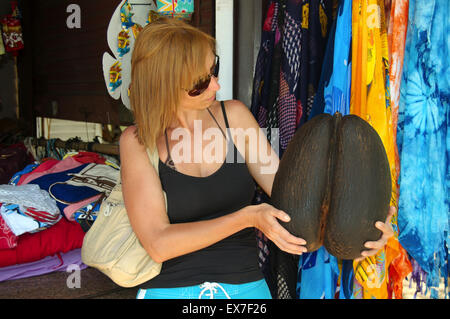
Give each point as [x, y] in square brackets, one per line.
[335, 183]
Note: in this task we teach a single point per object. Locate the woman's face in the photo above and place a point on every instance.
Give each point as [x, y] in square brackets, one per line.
[207, 97]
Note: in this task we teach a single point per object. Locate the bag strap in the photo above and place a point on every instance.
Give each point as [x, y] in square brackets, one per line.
[154, 159]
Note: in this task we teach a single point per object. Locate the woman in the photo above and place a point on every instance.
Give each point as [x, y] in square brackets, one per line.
[205, 239]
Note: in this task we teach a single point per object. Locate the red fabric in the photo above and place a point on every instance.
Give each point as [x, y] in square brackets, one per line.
[46, 165]
[53, 165]
[62, 237]
[89, 157]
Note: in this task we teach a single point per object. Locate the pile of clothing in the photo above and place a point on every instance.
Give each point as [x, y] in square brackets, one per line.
[45, 210]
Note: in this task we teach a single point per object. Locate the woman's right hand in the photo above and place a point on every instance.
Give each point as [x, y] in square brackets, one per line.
[264, 217]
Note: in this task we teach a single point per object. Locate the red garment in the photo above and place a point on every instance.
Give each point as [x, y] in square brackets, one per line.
[53, 165]
[62, 237]
[44, 166]
[89, 157]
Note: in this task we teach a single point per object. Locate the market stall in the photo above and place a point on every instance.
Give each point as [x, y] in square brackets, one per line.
[384, 61]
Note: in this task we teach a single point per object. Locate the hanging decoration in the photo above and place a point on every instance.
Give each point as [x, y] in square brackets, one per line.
[123, 42]
[12, 31]
[128, 19]
[179, 9]
[115, 77]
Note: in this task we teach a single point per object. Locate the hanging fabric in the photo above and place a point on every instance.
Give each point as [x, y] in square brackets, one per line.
[400, 266]
[259, 109]
[423, 140]
[316, 22]
[320, 271]
[370, 99]
[290, 58]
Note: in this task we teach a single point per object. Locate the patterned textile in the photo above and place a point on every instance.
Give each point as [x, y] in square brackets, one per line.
[316, 21]
[337, 90]
[323, 274]
[7, 237]
[284, 75]
[318, 275]
[423, 140]
[400, 266]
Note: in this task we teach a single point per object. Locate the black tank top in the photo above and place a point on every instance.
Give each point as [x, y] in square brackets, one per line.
[230, 188]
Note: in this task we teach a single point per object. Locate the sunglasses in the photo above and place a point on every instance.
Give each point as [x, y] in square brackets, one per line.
[202, 85]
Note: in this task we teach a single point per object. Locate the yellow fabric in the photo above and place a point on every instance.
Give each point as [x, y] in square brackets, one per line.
[370, 99]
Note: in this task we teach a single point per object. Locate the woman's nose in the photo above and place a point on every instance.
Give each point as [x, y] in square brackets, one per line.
[214, 84]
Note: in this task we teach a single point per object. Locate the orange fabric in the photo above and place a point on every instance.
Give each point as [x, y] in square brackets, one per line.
[398, 23]
[370, 99]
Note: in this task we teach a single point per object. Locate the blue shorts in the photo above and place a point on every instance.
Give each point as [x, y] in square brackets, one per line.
[210, 290]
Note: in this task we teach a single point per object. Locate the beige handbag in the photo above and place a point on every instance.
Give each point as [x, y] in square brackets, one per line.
[112, 247]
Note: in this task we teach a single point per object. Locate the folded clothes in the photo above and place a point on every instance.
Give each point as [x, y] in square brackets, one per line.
[62, 237]
[27, 208]
[48, 167]
[78, 184]
[21, 219]
[49, 264]
[29, 196]
[18, 223]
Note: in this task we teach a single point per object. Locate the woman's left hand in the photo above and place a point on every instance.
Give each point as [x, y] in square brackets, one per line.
[388, 232]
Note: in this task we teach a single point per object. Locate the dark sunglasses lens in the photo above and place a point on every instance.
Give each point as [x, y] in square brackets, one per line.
[200, 87]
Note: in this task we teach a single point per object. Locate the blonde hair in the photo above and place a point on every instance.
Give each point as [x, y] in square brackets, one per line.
[168, 56]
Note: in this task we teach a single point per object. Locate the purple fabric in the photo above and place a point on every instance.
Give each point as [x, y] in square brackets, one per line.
[58, 262]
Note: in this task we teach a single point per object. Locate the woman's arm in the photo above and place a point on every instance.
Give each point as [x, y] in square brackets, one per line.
[144, 201]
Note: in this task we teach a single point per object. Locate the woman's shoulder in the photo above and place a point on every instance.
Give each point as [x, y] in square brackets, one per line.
[239, 115]
[129, 135]
[129, 141]
[129, 131]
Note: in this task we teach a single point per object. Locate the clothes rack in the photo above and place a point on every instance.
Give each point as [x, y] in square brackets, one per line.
[111, 149]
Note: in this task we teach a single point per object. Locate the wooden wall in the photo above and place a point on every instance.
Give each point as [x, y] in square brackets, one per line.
[61, 69]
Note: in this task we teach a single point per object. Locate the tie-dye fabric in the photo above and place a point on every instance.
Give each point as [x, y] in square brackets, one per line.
[423, 139]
